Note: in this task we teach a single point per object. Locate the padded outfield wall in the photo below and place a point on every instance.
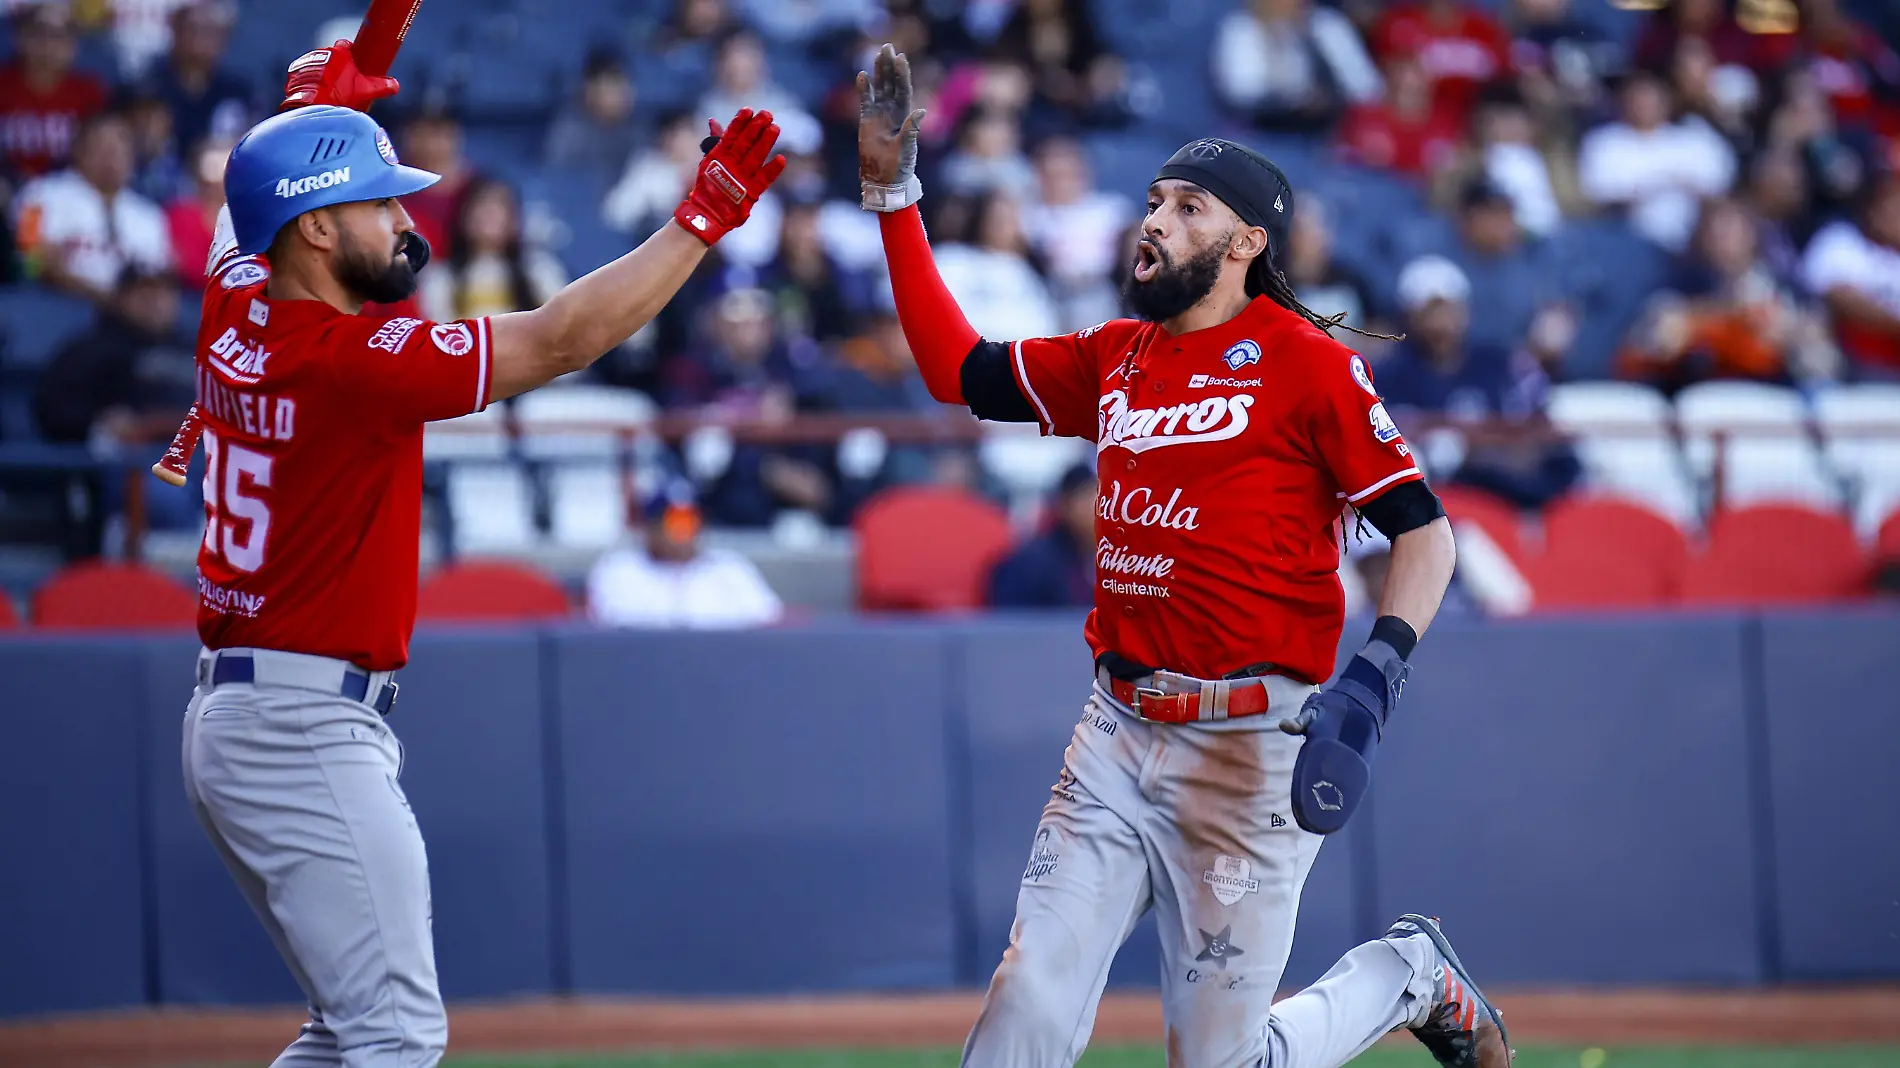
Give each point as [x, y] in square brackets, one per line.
[1695, 799]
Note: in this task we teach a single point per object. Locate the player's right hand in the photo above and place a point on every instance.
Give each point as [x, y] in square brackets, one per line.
[330, 76]
[737, 169]
[887, 134]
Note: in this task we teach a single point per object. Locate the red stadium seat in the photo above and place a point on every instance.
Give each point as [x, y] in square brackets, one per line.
[9, 619]
[1602, 553]
[1497, 517]
[927, 549]
[1776, 552]
[490, 590]
[101, 595]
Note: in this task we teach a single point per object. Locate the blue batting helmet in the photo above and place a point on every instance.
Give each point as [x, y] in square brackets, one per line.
[310, 158]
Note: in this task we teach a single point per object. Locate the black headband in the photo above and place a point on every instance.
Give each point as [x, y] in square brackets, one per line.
[1243, 179]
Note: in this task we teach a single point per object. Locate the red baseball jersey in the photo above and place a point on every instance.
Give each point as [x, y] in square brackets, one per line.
[313, 466]
[1224, 457]
[36, 129]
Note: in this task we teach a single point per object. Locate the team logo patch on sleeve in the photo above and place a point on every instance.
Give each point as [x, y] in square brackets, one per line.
[453, 338]
[394, 334]
[1361, 375]
[1241, 354]
[1383, 427]
[244, 273]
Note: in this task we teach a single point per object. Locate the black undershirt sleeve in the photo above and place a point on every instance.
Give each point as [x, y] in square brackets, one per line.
[989, 386]
[1407, 506]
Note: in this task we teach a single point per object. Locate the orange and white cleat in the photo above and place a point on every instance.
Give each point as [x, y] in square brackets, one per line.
[1463, 1029]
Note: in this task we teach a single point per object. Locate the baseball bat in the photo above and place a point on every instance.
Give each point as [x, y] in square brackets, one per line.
[377, 41]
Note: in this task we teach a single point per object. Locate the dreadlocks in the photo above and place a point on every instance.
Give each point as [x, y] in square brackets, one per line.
[1264, 280]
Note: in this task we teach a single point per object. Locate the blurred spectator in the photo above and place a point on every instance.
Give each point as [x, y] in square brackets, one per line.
[743, 79]
[433, 141]
[1325, 287]
[80, 228]
[596, 133]
[998, 86]
[670, 580]
[1838, 161]
[807, 286]
[696, 24]
[490, 268]
[1710, 21]
[1460, 48]
[1858, 71]
[743, 367]
[1504, 274]
[1725, 96]
[874, 372]
[1537, 172]
[1076, 231]
[1056, 568]
[1777, 197]
[158, 173]
[1073, 71]
[656, 177]
[129, 379]
[1288, 65]
[1404, 131]
[992, 278]
[1854, 267]
[141, 32]
[1655, 168]
[192, 219]
[989, 156]
[206, 98]
[1561, 60]
[1725, 315]
[802, 21]
[43, 100]
[1439, 370]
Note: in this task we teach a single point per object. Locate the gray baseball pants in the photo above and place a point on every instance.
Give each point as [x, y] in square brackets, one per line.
[1195, 821]
[297, 787]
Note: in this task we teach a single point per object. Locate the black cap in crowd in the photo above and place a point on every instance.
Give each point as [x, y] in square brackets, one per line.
[1243, 179]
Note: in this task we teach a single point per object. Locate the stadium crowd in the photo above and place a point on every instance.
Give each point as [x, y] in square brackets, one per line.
[1529, 192]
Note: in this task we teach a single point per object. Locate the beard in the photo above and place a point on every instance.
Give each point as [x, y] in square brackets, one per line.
[1175, 287]
[384, 279]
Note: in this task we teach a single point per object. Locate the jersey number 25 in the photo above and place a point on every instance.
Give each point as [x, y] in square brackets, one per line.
[236, 523]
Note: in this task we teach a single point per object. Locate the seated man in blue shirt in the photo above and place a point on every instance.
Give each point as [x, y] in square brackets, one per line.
[1056, 568]
[1439, 370]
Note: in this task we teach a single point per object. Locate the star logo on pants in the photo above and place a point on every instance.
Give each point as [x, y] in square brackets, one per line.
[1219, 947]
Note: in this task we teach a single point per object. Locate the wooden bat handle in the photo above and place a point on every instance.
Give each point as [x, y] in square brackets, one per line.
[380, 37]
[171, 467]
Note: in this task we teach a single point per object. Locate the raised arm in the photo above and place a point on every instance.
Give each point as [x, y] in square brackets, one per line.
[594, 313]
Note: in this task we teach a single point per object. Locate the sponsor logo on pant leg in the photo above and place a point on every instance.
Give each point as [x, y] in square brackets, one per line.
[1231, 879]
[1218, 948]
[1043, 858]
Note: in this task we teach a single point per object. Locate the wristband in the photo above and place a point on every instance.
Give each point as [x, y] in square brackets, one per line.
[1396, 633]
[889, 198]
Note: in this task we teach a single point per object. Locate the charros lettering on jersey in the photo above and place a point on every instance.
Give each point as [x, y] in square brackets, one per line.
[1138, 507]
[296, 187]
[1141, 429]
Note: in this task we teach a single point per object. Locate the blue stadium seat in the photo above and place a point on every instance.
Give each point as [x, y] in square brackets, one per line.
[35, 322]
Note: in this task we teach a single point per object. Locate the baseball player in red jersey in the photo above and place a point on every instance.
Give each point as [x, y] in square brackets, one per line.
[313, 421]
[1229, 428]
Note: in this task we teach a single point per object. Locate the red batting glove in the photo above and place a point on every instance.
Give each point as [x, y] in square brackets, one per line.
[329, 76]
[737, 169]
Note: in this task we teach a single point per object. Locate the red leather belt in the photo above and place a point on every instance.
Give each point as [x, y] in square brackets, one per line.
[1245, 697]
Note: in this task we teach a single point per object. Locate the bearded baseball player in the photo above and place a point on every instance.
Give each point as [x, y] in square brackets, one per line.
[313, 420]
[1229, 428]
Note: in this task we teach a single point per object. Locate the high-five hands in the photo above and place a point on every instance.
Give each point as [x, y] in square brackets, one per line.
[887, 134]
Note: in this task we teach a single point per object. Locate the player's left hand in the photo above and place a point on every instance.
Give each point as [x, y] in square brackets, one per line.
[1342, 724]
[738, 168]
[330, 76]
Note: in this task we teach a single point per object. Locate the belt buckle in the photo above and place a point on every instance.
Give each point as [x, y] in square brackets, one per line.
[1142, 692]
[395, 690]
